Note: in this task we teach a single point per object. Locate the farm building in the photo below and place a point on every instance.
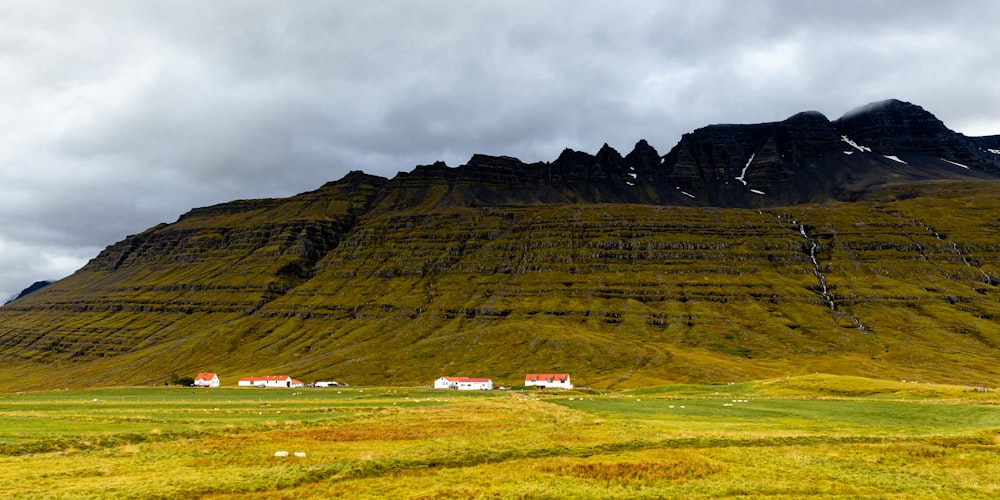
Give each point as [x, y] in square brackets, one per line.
[475, 384]
[447, 383]
[206, 380]
[464, 383]
[543, 380]
[269, 381]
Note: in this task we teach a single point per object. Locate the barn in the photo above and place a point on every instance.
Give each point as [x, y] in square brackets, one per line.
[475, 384]
[269, 381]
[544, 380]
[464, 383]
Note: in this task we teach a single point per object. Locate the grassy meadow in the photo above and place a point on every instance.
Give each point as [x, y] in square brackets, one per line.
[818, 436]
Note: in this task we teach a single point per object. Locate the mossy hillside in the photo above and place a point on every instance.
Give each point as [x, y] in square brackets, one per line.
[617, 295]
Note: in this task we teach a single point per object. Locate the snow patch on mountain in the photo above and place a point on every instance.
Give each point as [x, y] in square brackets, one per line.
[685, 193]
[863, 149]
[743, 174]
[955, 163]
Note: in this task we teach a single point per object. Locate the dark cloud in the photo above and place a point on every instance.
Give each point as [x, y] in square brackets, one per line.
[118, 115]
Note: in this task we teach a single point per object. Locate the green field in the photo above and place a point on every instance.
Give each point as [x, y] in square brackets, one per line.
[818, 436]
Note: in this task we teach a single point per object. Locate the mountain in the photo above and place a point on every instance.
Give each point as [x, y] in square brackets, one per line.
[863, 246]
[33, 287]
[803, 159]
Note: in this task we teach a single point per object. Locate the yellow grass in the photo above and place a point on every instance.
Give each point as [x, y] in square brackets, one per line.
[667, 442]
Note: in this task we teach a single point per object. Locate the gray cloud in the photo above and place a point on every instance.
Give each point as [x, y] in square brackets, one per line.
[118, 115]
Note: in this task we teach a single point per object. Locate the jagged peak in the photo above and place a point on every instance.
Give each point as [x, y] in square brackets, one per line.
[607, 151]
[569, 155]
[643, 148]
[643, 156]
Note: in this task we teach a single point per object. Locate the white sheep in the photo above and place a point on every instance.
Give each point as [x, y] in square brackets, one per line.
[300, 454]
[281, 454]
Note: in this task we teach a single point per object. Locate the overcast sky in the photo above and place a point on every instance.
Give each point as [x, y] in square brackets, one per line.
[118, 115]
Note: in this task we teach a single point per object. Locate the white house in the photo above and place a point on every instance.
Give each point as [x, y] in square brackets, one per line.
[543, 380]
[446, 383]
[475, 384]
[206, 380]
[464, 383]
[269, 381]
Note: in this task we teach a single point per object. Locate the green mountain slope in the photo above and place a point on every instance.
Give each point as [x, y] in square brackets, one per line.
[320, 287]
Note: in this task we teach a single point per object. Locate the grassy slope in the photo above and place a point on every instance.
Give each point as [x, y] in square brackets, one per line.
[617, 295]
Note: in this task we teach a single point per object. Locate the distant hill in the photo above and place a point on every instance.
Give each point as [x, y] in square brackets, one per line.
[34, 286]
[860, 246]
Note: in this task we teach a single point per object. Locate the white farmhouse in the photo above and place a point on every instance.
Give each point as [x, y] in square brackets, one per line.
[543, 380]
[206, 380]
[446, 383]
[269, 381]
[475, 384]
[464, 383]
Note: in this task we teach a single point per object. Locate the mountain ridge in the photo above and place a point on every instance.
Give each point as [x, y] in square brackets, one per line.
[719, 160]
[747, 251]
[767, 164]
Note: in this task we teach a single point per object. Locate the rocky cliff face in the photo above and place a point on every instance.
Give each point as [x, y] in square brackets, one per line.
[894, 127]
[705, 264]
[805, 158]
[809, 158]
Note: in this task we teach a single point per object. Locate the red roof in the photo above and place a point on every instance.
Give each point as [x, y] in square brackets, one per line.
[546, 377]
[265, 378]
[467, 379]
[204, 376]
